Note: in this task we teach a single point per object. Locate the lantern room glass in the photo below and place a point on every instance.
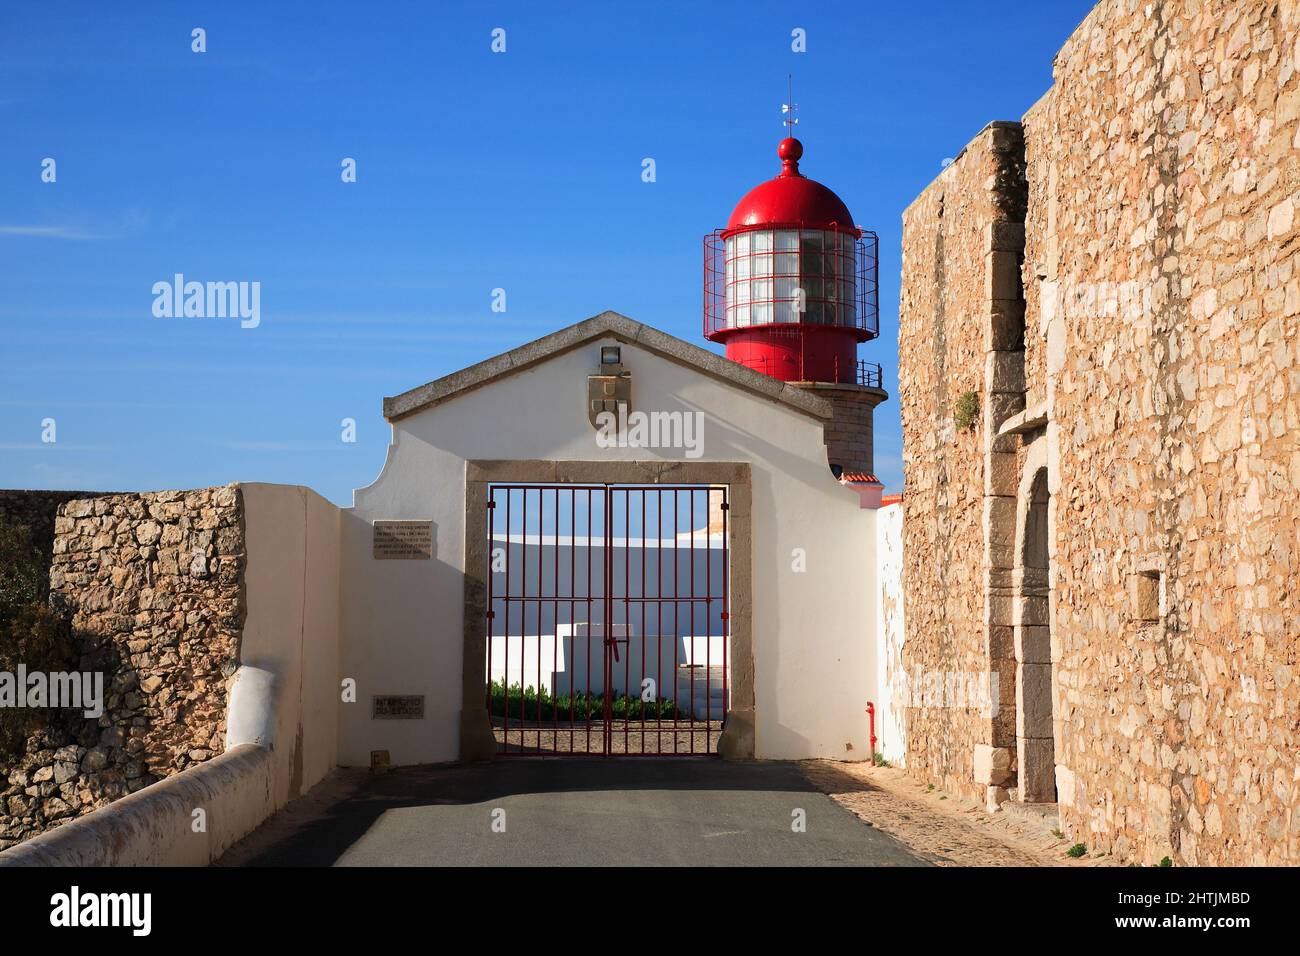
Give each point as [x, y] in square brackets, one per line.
[790, 276]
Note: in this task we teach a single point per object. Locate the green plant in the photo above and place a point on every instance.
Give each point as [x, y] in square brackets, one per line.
[879, 760]
[527, 703]
[1058, 834]
[24, 579]
[1076, 851]
[929, 787]
[966, 410]
[1165, 861]
[32, 633]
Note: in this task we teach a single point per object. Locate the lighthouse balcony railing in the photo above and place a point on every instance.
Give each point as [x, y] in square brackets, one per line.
[870, 374]
[867, 374]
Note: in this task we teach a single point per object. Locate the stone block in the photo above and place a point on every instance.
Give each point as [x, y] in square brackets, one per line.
[1065, 794]
[1002, 724]
[1002, 275]
[998, 610]
[992, 765]
[1033, 644]
[1005, 331]
[1034, 706]
[1004, 372]
[1006, 135]
[1032, 582]
[1002, 645]
[998, 407]
[94, 761]
[994, 797]
[1001, 474]
[1005, 236]
[1037, 771]
[1144, 596]
[1031, 611]
[1002, 683]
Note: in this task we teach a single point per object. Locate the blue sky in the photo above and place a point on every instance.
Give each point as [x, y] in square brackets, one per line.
[475, 171]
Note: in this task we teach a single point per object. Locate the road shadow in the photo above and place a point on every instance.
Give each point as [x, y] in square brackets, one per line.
[320, 827]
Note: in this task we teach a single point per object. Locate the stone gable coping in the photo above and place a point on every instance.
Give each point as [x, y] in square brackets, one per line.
[603, 325]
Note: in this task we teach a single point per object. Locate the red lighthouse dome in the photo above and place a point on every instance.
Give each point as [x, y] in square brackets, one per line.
[790, 198]
[790, 283]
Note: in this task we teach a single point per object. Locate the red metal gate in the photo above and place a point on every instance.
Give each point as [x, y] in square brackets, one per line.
[607, 619]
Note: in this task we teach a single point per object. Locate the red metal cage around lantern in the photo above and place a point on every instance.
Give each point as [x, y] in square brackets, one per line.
[832, 273]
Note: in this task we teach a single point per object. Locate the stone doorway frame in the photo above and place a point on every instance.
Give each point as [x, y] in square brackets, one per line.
[1035, 670]
[477, 741]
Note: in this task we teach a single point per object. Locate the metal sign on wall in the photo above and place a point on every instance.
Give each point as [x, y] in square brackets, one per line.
[403, 540]
[398, 707]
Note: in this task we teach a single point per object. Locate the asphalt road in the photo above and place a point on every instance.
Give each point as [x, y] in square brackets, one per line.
[576, 812]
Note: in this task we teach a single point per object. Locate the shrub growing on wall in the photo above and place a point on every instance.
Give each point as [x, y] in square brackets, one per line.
[32, 632]
[966, 410]
[24, 575]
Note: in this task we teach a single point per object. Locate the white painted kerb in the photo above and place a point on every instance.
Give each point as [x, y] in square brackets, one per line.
[156, 826]
[188, 819]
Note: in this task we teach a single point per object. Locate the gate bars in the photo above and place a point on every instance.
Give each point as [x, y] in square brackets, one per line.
[607, 619]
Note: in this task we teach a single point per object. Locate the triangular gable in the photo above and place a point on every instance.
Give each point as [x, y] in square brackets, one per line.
[624, 330]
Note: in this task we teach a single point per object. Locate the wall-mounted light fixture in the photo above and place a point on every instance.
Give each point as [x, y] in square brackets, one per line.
[611, 387]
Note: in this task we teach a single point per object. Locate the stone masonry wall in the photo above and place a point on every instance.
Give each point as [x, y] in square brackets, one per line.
[1039, 176]
[154, 586]
[1168, 147]
[1162, 342]
[958, 311]
[36, 511]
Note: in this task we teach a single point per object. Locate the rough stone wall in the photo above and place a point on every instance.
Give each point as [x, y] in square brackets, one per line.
[1035, 124]
[1161, 338]
[1170, 151]
[959, 309]
[154, 586]
[36, 511]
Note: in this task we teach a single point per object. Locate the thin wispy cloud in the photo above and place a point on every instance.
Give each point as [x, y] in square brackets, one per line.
[129, 223]
[285, 446]
[50, 232]
[50, 446]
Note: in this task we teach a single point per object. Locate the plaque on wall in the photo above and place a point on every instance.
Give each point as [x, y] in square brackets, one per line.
[398, 707]
[403, 540]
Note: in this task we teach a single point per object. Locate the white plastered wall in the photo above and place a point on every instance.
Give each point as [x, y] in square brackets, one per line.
[401, 620]
[891, 678]
[292, 626]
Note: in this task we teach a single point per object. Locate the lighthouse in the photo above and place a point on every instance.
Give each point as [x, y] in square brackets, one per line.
[791, 290]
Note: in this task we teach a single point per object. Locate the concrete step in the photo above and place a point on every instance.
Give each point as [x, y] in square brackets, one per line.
[1046, 816]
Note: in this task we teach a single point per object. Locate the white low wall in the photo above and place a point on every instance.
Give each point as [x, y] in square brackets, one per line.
[159, 825]
[891, 727]
[292, 627]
